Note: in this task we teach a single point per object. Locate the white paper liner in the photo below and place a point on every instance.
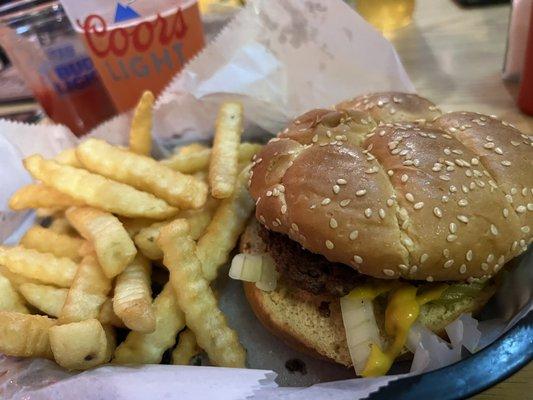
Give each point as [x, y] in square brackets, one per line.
[277, 72]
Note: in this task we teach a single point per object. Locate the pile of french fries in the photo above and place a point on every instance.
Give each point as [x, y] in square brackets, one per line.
[115, 217]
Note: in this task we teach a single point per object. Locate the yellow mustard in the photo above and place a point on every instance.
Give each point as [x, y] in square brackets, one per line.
[402, 311]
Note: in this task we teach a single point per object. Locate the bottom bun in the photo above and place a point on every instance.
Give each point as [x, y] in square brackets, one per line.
[313, 324]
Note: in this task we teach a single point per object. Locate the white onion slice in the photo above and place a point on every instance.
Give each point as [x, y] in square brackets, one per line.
[258, 268]
[361, 329]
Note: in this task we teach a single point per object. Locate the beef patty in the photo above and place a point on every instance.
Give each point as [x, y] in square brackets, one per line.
[309, 271]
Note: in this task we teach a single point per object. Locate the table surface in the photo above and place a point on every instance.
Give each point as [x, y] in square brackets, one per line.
[454, 57]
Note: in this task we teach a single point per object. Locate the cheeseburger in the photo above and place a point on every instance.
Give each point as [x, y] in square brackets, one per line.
[379, 215]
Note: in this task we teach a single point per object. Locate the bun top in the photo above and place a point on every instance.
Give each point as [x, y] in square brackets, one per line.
[435, 197]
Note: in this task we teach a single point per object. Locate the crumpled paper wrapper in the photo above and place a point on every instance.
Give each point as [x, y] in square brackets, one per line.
[279, 58]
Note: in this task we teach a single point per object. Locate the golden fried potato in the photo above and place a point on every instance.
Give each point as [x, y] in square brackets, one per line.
[10, 300]
[143, 173]
[225, 156]
[24, 335]
[148, 348]
[97, 191]
[114, 247]
[68, 157]
[192, 162]
[134, 225]
[15, 279]
[141, 125]
[186, 348]
[47, 241]
[49, 212]
[88, 292]
[81, 345]
[108, 317]
[48, 299]
[189, 162]
[132, 301]
[196, 299]
[44, 267]
[62, 226]
[190, 148]
[40, 196]
[224, 230]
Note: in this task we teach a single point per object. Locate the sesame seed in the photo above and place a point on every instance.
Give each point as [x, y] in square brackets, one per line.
[390, 172]
[274, 223]
[436, 167]
[444, 177]
[429, 278]
[451, 237]
[524, 191]
[409, 197]
[329, 244]
[445, 199]
[521, 209]
[278, 221]
[413, 269]
[525, 229]
[269, 193]
[506, 163]
[408, 162]
[336, 189]
[353, 235]
[453, 189]
[333, 223]
[390, 202]
[501, 259]
[388, 272]
[514, 143]
[469, 255]
[326, 201]
[358, 259]
[474, 161]
[464, 189]
[489, 145]
[404, 178]
[418, 205]
[463, 218]
[447, 151]
[499, 151]
[423, 258]
[341, 181]
[448, 263]
[294, 227]
[453, 227]
[463, 202]
[490, 258]
[530, 206]
[437, 211]
[505, 212]
[262, 219]
[455, 151]
[493, 229]
[509, 198]
[381, 213]
[446, 253]
[372, 170]
[345, 202]
[484, 266]
[407, 241]
[368, 213]
[360, 192]
[514, 246]
[468, 173]
[462, 269]
[315, 138]
[403, 267]
[283, 209]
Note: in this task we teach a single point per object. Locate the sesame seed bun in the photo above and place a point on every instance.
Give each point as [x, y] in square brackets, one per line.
[399, 198]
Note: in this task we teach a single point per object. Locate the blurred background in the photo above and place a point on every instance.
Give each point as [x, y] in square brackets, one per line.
[462, 54]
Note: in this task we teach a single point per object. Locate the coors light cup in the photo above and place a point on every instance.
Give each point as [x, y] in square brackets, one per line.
[137, 45]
